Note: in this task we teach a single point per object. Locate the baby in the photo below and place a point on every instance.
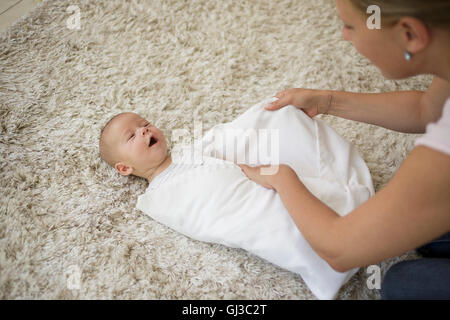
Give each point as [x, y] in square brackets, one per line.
[132, 145]
[212, 200]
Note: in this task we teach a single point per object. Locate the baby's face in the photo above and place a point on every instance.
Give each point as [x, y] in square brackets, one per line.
[137, 143]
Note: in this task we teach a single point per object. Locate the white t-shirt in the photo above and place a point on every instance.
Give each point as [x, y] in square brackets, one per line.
[437, 134]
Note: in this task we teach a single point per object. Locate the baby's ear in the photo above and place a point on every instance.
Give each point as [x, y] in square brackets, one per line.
[123, 169]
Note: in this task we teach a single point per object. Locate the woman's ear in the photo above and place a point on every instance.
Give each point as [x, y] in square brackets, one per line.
[123, 169]
[414, 34]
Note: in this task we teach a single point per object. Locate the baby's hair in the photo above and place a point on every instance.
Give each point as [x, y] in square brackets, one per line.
[104, 148]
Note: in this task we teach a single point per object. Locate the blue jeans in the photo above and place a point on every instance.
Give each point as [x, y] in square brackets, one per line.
[425, 278]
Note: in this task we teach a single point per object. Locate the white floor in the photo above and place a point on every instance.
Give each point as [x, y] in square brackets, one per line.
[13, 10]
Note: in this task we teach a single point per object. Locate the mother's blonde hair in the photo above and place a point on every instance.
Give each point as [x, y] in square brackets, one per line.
[433, 13]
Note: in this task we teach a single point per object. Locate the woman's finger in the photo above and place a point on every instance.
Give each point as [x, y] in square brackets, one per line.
[276, 104]
[280, 94]
[242, 166]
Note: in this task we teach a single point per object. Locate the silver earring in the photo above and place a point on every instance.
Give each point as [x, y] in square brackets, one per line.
[407, 56]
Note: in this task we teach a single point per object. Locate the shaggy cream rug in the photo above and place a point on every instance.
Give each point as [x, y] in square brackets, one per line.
[68, 226]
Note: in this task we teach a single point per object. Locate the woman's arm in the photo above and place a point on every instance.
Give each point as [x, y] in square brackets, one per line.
[403, 111]
[411, 210]
[397, 110]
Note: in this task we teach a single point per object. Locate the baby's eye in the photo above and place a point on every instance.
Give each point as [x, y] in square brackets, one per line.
[131, 137]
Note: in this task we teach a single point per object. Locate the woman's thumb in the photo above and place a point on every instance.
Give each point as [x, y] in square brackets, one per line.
[274, 105]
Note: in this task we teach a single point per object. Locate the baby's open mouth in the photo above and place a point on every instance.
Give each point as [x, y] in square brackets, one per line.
[152, 141]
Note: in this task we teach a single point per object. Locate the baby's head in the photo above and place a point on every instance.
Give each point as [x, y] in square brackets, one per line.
[131, 145]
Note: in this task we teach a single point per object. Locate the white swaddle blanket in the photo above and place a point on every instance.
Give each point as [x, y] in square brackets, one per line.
[212, 200]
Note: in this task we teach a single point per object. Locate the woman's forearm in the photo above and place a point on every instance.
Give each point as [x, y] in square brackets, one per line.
[398, 110]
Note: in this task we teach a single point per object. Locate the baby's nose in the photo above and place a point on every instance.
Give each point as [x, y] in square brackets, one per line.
[145, 130]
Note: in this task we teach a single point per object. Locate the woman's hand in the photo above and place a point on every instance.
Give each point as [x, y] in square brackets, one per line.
[267, 180]
[310, 101]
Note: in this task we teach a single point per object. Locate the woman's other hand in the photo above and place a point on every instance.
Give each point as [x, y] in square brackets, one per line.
[310, 101]
[266, 175]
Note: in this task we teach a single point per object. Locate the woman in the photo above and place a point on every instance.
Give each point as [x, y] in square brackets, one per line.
[414, 207]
